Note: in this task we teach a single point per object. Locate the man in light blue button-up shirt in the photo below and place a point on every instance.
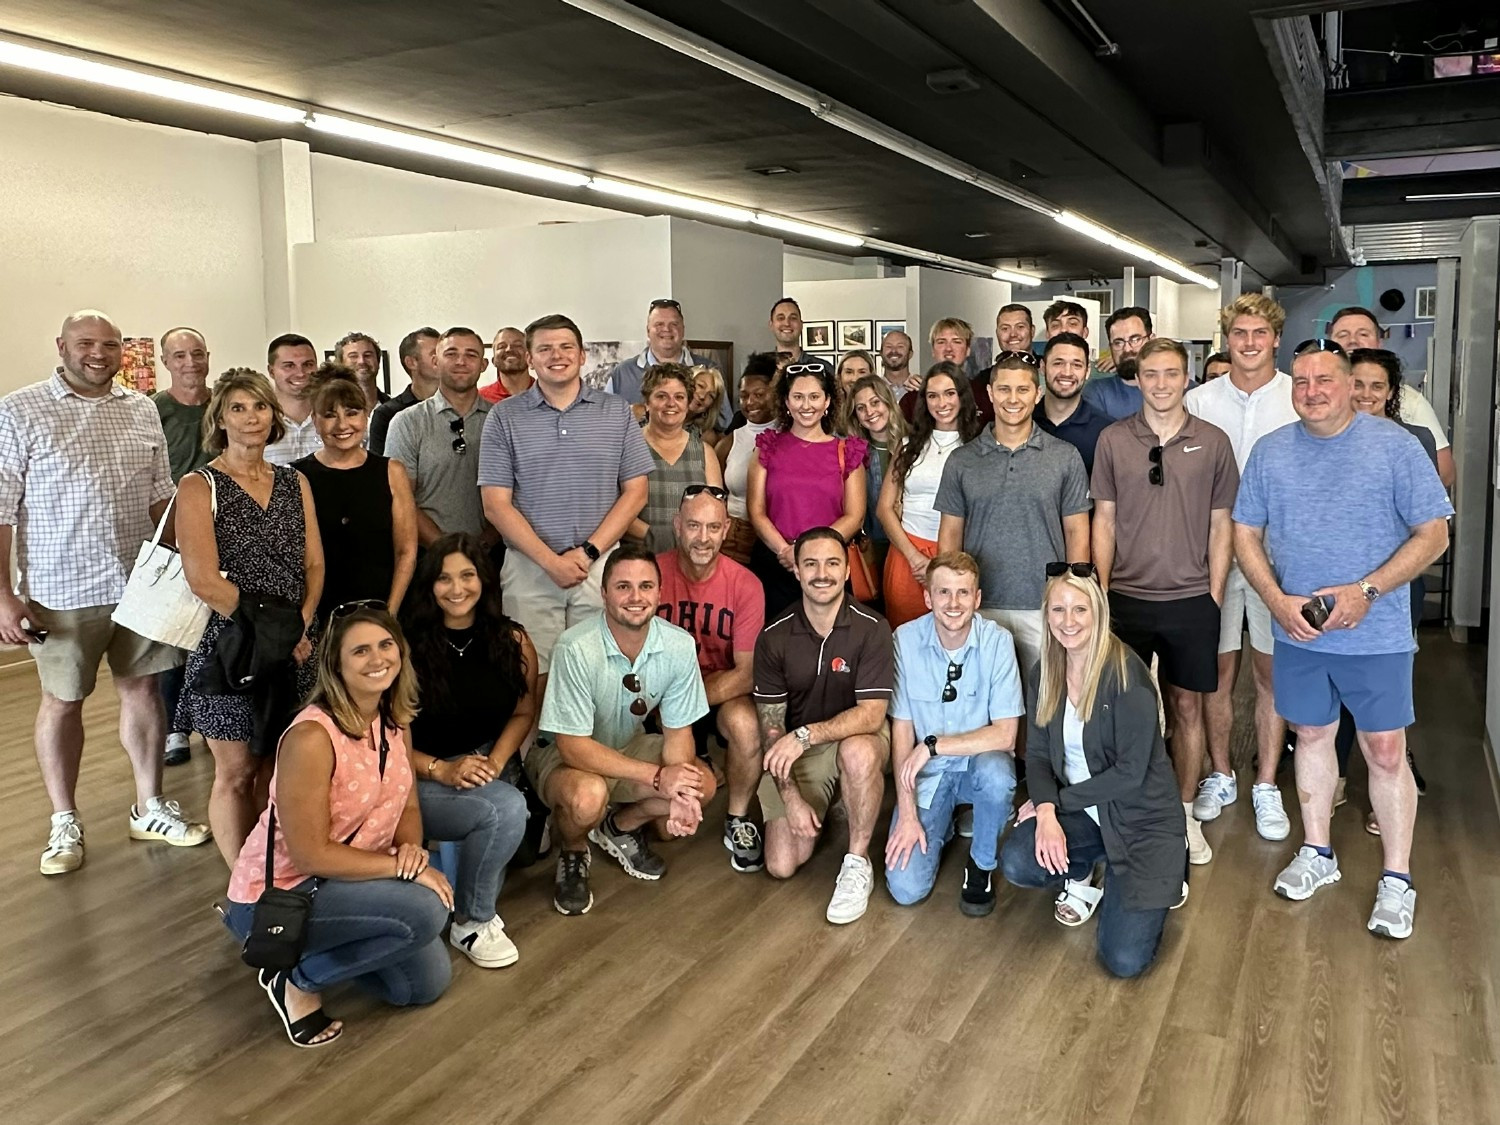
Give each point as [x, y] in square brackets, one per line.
[953, 735]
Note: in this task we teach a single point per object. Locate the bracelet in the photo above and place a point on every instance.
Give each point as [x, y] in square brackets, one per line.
[432, 765]
[656, 781]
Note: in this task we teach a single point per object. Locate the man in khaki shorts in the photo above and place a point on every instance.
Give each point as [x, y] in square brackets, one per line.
[824, 673]
[84, 477]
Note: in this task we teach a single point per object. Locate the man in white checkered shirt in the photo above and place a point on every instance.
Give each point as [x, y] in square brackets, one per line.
[83, 480]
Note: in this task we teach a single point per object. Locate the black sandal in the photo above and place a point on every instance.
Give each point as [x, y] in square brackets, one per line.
[304, 1032]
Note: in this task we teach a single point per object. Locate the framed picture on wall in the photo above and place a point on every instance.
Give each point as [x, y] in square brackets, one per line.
[854, 334]
[720, 353]
[883, 327]
[817, 335]
[830, 357]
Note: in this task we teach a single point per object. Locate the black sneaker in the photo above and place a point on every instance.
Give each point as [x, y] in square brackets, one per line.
[630, 849]
[571, 893]
[742, 842]
[978, 895]
[178, 750]
[1416, 774]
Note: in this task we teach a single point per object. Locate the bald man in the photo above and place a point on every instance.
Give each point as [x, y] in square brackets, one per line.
[84, 476]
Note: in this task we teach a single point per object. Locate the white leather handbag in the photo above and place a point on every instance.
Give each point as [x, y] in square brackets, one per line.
[158, 603]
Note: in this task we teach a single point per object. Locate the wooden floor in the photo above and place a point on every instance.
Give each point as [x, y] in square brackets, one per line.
[715, 997]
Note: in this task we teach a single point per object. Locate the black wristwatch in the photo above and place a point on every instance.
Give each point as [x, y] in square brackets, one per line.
[590, 550]
[931, 743]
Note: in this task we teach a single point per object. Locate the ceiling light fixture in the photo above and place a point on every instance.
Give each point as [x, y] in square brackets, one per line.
[59, 65]
[1440, 195]
[808, 230]
[1015, 276]
[671, 199]
[1134, 249]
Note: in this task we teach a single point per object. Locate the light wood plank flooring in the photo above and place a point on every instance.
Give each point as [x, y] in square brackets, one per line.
[713, 997]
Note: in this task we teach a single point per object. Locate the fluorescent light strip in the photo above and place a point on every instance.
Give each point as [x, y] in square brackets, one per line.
[808, 230]
[1015, 276]
[671, 199]
[59, 65]
[1134, 249]
[1435, 196]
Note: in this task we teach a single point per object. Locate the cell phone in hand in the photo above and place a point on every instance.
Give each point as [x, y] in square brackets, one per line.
[1315, 611]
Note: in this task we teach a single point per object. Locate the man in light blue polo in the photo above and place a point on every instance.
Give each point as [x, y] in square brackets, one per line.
[562, 473]
[953, 736]
[665, 343]
[602, 775]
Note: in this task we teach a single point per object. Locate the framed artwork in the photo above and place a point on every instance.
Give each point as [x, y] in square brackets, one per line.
[718, 352]
[882, 327]
[855, 334]
[831, 358]
[982, 348]
[817, 335]
[600, 357]
[138, 365]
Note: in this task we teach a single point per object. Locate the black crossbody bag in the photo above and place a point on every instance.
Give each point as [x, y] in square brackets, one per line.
[278, 927]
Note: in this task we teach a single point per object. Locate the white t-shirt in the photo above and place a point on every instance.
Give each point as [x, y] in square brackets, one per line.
[918, 516]
[1245, 417]
[737, 466]
[1417, 411]
[1075, 764]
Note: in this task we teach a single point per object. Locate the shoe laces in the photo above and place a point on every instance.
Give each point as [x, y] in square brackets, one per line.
[65, 834]
[574, 864]
[742, 834]
[854, 877]
[166, 809]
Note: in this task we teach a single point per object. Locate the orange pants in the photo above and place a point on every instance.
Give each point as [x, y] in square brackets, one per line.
[903, 593]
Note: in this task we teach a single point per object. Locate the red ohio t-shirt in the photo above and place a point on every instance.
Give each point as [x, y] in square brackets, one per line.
[724, 614]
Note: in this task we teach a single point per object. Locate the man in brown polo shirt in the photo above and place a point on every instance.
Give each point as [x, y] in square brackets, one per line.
[1164, 484]
[824, 673]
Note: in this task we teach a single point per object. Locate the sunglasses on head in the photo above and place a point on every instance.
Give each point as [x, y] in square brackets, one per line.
[955, 672]
[460, 446]
[1320, 344]
[803, 369]
[712, 489]
[344, 609]
[1078, 570]
[632, 684]
[664, 303]
[1028, 358]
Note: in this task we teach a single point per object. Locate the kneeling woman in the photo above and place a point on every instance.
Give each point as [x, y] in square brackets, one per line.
[477, 672]
[348, 831]
[1102, 786]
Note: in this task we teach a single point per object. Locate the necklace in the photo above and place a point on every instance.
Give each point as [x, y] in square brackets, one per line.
[460, 649]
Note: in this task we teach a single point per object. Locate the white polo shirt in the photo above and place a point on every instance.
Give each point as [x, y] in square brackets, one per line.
[1245, 416]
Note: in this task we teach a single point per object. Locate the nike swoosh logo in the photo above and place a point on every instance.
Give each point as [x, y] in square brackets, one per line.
[1191, 448]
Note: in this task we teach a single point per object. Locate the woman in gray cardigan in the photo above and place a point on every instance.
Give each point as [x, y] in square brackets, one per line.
[1101, 784]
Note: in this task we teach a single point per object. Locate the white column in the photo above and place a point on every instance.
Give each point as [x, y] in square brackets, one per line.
[286, 218]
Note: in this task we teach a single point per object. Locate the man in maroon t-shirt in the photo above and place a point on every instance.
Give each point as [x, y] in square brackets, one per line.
[722, 605]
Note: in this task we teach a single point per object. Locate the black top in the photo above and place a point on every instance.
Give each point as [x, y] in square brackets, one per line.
[354, 520]
[816, 677]
[380, 417]
[480, 700]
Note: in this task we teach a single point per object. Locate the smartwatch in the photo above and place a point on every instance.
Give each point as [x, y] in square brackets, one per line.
[590, 550]
[931, 743]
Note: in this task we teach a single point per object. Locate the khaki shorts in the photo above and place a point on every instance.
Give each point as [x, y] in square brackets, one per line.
[544, 761]
[527, 595]
[68, 662]
[1025, 629]
[816, 774]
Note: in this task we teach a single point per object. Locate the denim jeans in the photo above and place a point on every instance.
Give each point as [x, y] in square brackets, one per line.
[383, 934]
[488, 823]
[1127, 939]
[987, 784]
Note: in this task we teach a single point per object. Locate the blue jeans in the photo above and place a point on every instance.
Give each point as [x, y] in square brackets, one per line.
[1127, 939]
[488, 824]
[383, 934]
[987, 784]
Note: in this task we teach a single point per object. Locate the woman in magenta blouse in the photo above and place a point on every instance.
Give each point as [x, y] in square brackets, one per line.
[802, 476]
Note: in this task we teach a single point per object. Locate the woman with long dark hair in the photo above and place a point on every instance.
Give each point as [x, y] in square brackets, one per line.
[944, 418]
[477, 671]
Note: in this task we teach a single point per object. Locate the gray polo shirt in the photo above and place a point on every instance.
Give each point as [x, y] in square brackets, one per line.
[564, 467]
[1012, 503]
[444, 481]
[625, 380]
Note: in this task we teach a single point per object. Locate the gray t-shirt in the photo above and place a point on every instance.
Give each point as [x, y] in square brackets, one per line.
[1012, 503]
[183, 426]
[1334, 510]
[444, 479]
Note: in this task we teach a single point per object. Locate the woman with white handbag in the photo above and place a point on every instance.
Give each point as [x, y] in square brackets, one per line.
[255, 523]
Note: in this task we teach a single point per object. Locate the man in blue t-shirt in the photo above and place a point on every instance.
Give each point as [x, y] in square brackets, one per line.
[1351, 510]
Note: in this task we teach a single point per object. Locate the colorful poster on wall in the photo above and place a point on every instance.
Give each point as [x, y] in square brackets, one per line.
[138, 365]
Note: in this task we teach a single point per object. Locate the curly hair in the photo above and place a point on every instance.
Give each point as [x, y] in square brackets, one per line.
[922, 423]
[849, 423]
[826, 379]
[1390, 362]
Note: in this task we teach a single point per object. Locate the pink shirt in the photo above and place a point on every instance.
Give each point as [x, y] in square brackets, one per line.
[803, 485]
[358, 798]
[724, 613]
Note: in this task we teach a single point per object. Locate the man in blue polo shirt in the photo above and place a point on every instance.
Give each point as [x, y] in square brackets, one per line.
[562, 472]
[665, 343]
[1351, 510]
[1065, 413]
[953, 736]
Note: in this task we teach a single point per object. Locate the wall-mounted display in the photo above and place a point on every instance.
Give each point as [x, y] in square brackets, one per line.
[854, 334]
[817, 335]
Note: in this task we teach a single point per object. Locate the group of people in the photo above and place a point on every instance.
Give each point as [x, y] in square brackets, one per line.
[518, 616]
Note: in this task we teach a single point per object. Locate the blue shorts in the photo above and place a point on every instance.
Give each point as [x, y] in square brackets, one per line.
[1308, 687]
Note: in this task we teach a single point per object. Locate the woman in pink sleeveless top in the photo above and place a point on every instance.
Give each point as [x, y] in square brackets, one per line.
[349, 830]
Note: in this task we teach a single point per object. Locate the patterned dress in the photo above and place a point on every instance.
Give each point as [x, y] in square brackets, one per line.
[262, 551]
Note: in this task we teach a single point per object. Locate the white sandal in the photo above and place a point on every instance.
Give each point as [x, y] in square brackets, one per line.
[1080, 899]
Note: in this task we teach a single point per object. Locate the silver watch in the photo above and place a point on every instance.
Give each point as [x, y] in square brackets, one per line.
[804, 736]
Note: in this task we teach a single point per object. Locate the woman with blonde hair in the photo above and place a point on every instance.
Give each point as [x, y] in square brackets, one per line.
[344, 827]
[705, 400]
[680, 454]
[869, 411]
[1102, 786]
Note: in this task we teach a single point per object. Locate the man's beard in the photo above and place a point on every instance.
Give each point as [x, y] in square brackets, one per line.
[1127, 368]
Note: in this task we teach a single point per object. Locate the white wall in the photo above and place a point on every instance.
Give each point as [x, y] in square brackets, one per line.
[933, 294]
[726, 280]
[1198, 312]
[802, 264]
[858, 299]
[157, 227]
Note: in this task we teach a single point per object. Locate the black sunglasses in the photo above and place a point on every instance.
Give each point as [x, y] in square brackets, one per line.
[1028, 358]
[632, 683]
[460, 446]
[1155, 475]
[955, 672]
[1078, 570]
[1320, 344]
[664, 303]
[344, 609]
[712, 489]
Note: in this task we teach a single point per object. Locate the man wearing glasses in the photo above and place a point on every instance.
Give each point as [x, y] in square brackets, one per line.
[1334, 570]
[605, 779]
[666, 336]
[1164, 484]
[823, 677]
[723, 606]
[953, 737]
[438, 441]
[1128, 330]
[1064, 412]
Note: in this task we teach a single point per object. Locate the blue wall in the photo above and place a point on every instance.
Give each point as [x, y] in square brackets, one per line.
[1309, 307]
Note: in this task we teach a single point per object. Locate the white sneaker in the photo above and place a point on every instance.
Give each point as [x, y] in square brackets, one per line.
[851, 892]
[486, 943]
[1308, 871]
[64, 845]
[163, 820]
[1395, 905]
[1214, 792]
[1270, 814]
[1198, 850]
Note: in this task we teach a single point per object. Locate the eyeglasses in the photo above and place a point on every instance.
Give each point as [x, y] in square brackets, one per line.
[1129, 342]
[460, 446]
[1078, 570]
[1155, 475]
[804, 369]
[1028, 358]
[1320, 344]
[664, 303]
[632, 684]
[955, 672]
[712, 489]
[344, 609]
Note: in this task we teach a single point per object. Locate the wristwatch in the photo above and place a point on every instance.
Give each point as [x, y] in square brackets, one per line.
[590, 550]
[1370, 592]
[804, 736]
[931, 743]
